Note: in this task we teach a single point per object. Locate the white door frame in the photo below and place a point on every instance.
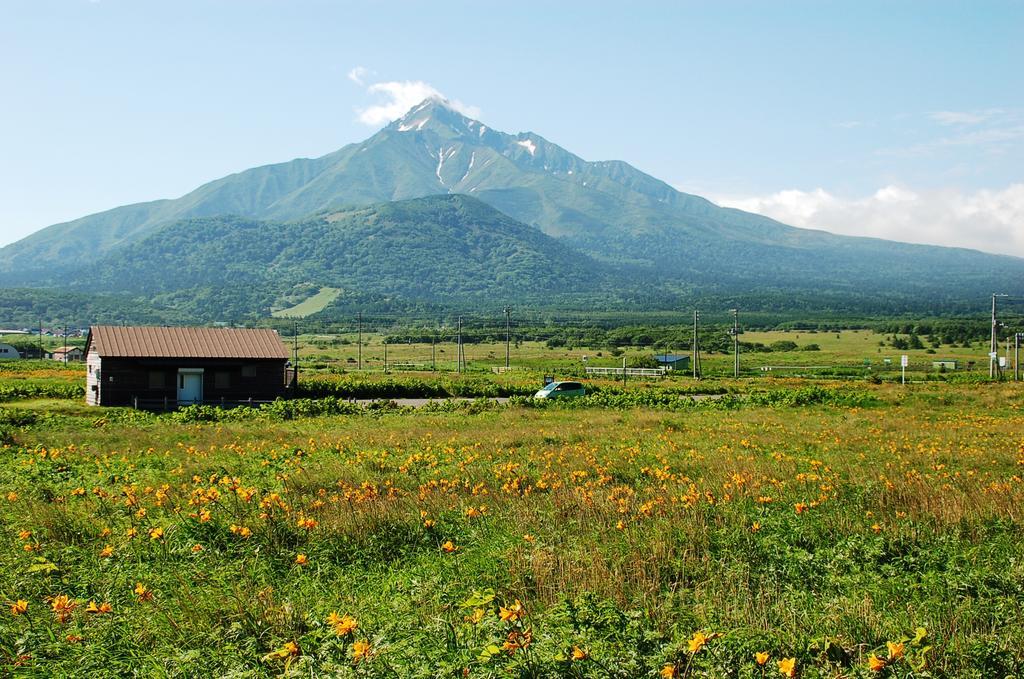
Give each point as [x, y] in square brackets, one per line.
[181, 382]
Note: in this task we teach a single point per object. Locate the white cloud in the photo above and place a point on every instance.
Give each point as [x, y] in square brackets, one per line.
[986, 219]
[358, 75]
[398, 97]
[964, 117]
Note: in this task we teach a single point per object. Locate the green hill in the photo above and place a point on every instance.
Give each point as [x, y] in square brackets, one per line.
[438, 249]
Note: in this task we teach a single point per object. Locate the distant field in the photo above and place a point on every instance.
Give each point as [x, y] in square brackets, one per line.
[310, 305]
[858, 351]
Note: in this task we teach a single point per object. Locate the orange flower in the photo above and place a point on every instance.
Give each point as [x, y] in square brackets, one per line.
[301, 559]
[289, 649]
[669, 672]
[512, 613]
[197, 548]
[761, 658]
[156, 533]
[63, 606]
[98, 609]
[19, 607]
[756, 526]
[343, 624]
[24, 534]
[360, 650]
[895, 650]
[449, 547]
[787, 667]
[579, 654]
[107, 552]
[875, 663]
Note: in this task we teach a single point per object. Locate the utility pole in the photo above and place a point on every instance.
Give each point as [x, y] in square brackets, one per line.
[993, 361]
[458, 352]
[385, 357]
[65, 345]
[696, 345]
[41, 356]
[735, 332]
[359, 342]
[295, 355]
[1017, 355]
[508, 333]
[433, 353]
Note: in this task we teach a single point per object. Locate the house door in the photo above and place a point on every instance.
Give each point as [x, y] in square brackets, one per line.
[190, 387]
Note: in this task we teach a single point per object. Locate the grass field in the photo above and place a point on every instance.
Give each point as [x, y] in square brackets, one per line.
[863, 352]
[310, 305]
[872, 530]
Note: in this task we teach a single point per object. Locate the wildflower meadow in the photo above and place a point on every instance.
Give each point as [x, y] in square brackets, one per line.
[873, 532]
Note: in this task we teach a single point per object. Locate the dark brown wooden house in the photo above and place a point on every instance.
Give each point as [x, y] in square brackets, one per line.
[164, 368]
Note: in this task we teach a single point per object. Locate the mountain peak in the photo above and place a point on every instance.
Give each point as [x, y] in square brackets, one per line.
[438, 114]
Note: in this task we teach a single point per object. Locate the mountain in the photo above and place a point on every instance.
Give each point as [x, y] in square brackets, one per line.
[605, 211]
[439, 248]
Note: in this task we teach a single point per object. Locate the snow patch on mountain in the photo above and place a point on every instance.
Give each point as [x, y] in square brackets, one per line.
[529, 146]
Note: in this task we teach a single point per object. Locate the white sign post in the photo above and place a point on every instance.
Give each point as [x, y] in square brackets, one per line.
[904, 362]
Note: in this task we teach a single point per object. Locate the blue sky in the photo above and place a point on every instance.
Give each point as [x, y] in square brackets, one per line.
[902, 120]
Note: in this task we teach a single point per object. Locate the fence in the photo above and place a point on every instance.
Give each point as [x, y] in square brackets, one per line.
[168, 404]
[639, 372]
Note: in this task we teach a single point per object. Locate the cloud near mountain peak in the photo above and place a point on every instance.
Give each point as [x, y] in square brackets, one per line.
[396, 97]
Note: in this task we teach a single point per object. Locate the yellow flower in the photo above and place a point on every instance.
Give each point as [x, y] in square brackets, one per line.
[107, 552]
[156, 533]
[449, 547]
[895, 650]
[197, 548]
[697, 642]
[787, 667]
[301, 559]
[24, 535]
[143, 592]
[756, 526]
[875, 663]
[529, 538]
[579, 654]
[360, 650]
[875, 527]
[98, 609]
[669, 672]
[343, 624]
[761, 658]
[19, 607]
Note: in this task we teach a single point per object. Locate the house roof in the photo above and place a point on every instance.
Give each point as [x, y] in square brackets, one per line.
[670, 358]
[163, 342]
[63, 350]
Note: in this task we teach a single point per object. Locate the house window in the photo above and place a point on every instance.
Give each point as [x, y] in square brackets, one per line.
[157, 379]
[222, 379]
[248, 371]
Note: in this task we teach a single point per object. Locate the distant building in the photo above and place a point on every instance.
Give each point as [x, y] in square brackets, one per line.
[8, 352]
[66, 355]
[164, 368]
[945, 364]
[673, 361]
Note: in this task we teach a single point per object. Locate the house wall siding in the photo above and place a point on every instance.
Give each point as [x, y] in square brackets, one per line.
[93, 365]
[124, 380]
